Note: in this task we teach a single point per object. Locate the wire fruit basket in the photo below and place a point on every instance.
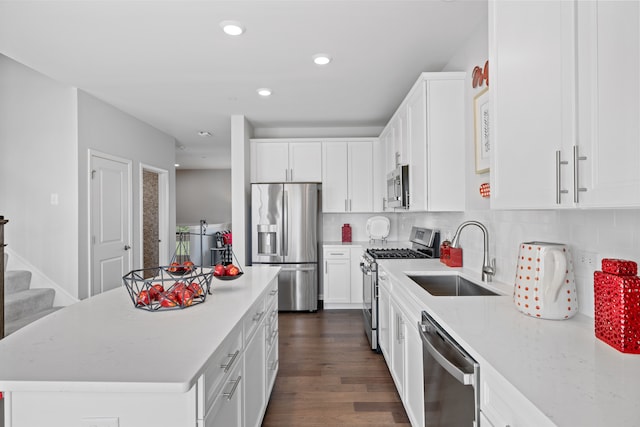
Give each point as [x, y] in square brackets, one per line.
[159, 289]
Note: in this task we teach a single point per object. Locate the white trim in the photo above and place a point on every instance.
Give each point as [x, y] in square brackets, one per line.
[39, 279]
[163, 213]
[95, 153]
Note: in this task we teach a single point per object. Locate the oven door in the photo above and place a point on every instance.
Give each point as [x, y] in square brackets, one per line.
[370, 303]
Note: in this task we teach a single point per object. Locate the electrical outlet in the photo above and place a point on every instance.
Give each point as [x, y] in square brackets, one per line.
[586, 259]
[100, 422]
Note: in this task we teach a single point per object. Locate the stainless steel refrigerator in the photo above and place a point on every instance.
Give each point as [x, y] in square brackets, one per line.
[284, 219]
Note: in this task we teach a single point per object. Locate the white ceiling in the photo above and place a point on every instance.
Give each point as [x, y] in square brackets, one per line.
[169, 64]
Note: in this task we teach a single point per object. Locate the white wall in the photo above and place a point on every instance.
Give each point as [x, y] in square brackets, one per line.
[38, 159]
[106, 129]
[241, 133]
[203, 194]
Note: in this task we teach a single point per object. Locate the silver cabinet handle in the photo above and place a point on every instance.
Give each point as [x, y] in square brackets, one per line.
[257, 316]
[127, 247]
[230, 364]
[346, 205]
[576, 179]
[290, 174]
[274, 365]
[350, 205]
[236, 383]
[273, 292]
[559, 190]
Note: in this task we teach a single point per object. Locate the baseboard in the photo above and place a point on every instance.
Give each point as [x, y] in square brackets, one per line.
[39, 279]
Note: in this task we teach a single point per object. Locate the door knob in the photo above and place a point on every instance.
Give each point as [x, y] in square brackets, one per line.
[127, 247]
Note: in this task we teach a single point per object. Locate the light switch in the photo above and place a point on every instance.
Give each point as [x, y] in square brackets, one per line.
[100, 422]
[54, 199]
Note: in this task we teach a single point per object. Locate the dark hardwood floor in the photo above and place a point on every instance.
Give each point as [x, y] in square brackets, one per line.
[328, 375]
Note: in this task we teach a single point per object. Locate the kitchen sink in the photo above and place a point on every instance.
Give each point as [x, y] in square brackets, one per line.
[450, 286]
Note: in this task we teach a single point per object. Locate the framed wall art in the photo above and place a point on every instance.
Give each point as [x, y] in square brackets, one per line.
[482, 132]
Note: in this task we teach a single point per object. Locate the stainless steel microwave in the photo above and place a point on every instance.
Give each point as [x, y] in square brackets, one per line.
[398, 187]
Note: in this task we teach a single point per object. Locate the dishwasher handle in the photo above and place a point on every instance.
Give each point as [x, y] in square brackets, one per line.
[429, 332]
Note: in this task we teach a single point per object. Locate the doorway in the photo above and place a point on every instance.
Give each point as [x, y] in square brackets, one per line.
[154, 211]
[110, 221]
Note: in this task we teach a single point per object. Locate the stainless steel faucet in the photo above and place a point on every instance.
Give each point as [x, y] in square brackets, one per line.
[488, 267]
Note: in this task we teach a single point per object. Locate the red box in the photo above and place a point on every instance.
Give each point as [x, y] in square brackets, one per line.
[619, 267]
[445, 252]
[617, 311]
[455, 257]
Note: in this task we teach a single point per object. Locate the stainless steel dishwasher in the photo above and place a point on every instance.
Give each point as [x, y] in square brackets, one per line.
[450, 379]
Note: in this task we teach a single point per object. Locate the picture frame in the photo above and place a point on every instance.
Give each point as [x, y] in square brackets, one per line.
[482, 131]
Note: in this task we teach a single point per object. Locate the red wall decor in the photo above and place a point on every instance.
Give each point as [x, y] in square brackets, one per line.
[480, 75]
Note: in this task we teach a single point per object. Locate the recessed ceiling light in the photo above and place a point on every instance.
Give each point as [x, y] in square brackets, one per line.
[205, 133]
[177, 165]
[232, 28]
[264, 91]
[321, 59]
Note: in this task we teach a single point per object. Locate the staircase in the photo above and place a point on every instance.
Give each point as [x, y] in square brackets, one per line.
[22, 304]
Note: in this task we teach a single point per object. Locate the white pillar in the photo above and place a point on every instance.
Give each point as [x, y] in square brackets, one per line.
[241, 132]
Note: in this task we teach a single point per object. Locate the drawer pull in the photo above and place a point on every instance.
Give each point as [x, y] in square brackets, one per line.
[236, 383]
[274, 365]
[273, 292]
[258, 316]
[272, 337]
[230, 364]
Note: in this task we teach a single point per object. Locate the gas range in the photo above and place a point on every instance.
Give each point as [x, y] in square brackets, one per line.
[396, 253]
[425, 244]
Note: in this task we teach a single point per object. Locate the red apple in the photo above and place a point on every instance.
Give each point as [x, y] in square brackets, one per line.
[219, 270]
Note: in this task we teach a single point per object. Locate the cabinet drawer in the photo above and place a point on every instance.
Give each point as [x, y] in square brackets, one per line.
[252, 319]
[226, 358]
[226, 407]
[272, 293]
[338, 252]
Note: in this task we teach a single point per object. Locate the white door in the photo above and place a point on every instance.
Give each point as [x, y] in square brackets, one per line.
[110, 222]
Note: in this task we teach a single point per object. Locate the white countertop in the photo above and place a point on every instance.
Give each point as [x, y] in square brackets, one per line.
[371, 244]
[105, 344]
[559, 365]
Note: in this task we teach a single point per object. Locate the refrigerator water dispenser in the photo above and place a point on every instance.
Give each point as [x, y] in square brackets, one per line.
[267, 234]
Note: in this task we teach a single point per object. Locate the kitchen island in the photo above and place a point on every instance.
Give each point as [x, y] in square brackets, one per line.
[533, 372]
[103, 362]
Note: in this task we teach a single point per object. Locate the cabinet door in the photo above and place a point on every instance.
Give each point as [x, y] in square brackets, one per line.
[417, 141]
[609, 103]
[384, 321]
[360, 174]
[413, 378]
[255, 401]
[337, 280]
[397, 339]
[272, 162]
[334, 176]
[531, 119]
[356, 275]
[305, 162]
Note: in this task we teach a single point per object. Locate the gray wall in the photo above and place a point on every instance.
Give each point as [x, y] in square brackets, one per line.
[106, 129]
[38, 159]
[203, 194]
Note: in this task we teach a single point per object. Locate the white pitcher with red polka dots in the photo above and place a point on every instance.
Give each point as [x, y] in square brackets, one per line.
[545, 286]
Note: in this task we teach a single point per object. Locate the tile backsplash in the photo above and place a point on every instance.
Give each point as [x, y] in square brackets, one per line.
[591, 235]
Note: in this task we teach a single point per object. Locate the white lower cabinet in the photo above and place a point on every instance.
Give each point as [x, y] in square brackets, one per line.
[235, 387]
[501, 404]
[401, 346]
[342, 277]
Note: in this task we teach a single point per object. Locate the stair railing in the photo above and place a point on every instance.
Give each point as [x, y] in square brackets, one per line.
[2, 245]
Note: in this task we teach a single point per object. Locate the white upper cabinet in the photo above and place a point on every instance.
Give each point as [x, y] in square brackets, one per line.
[347, 176]
[609, 103]
[565, 104]
[427, 132]
[286, 161]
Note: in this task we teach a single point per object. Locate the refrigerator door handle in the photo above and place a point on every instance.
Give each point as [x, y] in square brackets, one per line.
[285, 234]
[313, 268]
